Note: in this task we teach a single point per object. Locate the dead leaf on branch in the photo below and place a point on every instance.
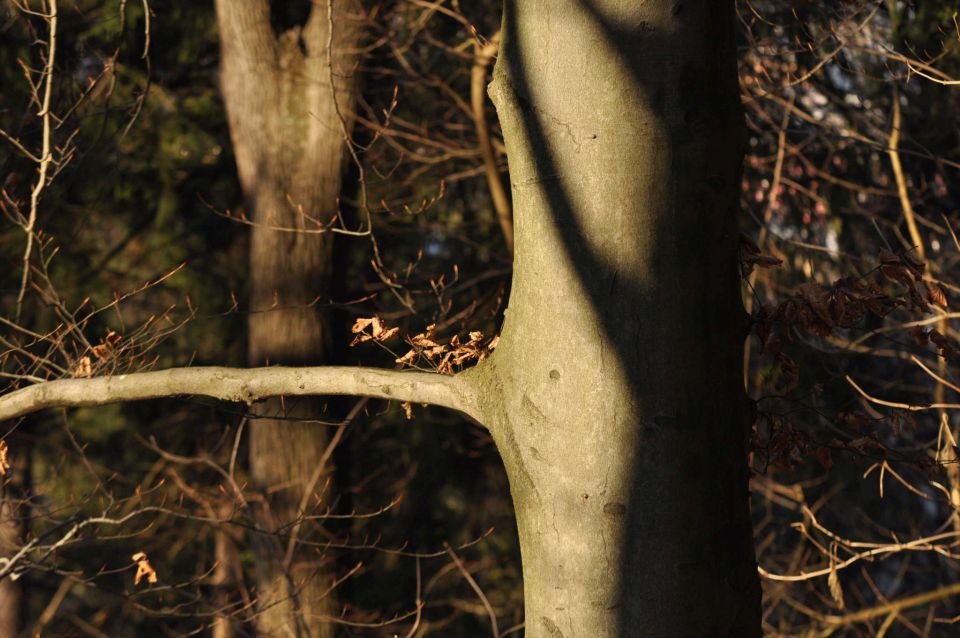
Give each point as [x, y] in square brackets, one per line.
[948, 346]
[4, 457]
[84, 368]
[106, 346]
[789, 369]
[868, 445]
[378, 331]
[904, 269]
[899, 266]
[425, 339]
[855, 419]
[408, 359]
[819, 310]
[750, 256]
[936, 294]
[448, 357]
[144, 569]
[823, 456]
[833, 582]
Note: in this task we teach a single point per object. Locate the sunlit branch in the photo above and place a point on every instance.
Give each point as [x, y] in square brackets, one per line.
[243, 385]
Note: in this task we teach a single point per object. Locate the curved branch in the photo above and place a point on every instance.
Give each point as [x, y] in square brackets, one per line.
[484, 55]
[247, 385]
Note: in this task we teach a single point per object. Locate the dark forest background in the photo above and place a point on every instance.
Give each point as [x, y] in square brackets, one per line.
[849, 259]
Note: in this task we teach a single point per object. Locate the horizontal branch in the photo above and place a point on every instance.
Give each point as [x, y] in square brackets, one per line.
[246, 385]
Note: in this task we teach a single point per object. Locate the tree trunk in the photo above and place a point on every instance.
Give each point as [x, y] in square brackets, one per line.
[289, 146]
[615, 395]
[11, 593]
[11, 539]
[14, 520]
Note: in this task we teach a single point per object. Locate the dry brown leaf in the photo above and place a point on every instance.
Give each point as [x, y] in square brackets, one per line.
[378, 330]
[888, 258]
[407, 409]
[867, 445]
[144, 569]
[361, 338]
[750, 256]
[836, 591]
[816, 297]
[84, 368]
[424, 341]
[936, 294]
[766, 261]
[915, 266]
[361, 324]
[4, 457]
[408, 358]
[823, 456]
[106, 346]
[948, 346]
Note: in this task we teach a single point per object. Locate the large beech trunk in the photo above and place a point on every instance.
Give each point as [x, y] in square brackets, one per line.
[615, 395]
[289, 144]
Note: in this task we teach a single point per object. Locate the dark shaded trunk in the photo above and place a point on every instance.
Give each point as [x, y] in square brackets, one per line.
[289, 146]
[14, 517]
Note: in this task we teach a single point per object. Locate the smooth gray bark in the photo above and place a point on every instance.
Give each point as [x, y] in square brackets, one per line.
[614, 395]
[246, 385]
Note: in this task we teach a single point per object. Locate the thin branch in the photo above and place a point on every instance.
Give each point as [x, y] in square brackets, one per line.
[491, 614]
[893, 145]
[484, 55]
[245, 385]
[901, 406]
[45, 154]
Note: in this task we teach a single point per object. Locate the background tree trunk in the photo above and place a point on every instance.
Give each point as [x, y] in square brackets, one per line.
[289, 148]
[11, 592]
[616, 396]
[14, 522]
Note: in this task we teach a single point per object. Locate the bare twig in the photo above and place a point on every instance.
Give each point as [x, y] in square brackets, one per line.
[45, 154]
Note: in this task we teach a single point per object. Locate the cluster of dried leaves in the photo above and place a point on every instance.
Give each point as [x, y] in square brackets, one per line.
[372, 329]
[445, 358]
[819, 310]
[103, 351]
[777, 441]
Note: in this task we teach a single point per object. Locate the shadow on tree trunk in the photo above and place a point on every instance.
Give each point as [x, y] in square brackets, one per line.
[669, 312]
